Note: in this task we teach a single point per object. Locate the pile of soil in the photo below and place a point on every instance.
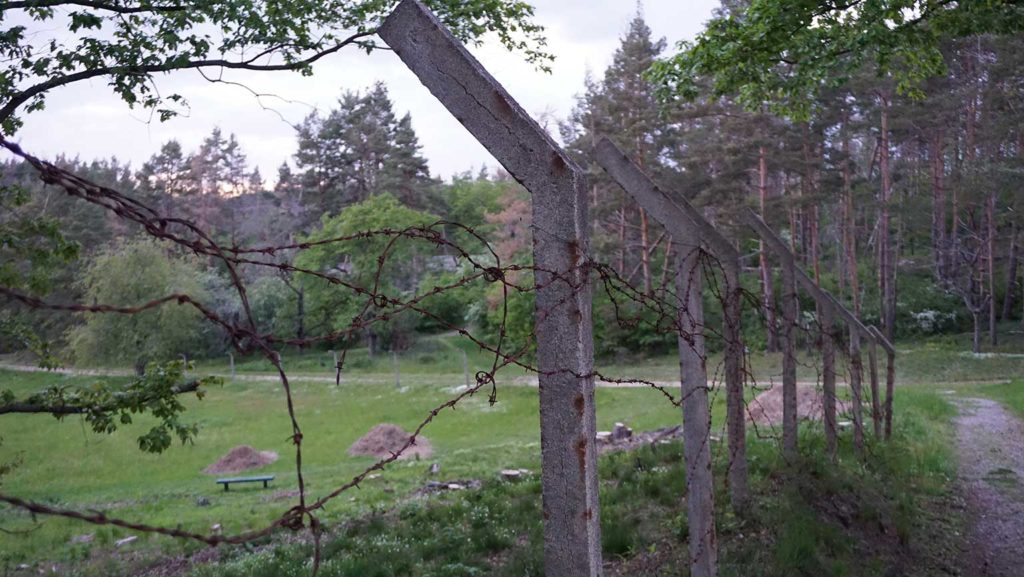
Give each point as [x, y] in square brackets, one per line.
[241, 458]
[766, 408]
[385, 439]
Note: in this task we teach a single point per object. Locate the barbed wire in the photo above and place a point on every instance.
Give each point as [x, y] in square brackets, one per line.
[662, 311]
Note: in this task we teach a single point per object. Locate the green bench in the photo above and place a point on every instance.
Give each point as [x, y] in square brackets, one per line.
[228, 480]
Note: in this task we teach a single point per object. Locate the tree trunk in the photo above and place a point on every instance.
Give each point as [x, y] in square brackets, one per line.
[938, 168]
[622, 238]
[1011, 275]
[645, 254]
[976, 347]
[850, 222]
[300, 311]
[888, 256]
[990, 222]
[767, 283]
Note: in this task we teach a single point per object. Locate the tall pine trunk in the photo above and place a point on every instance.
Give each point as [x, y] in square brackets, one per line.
[1011, 275]
[767, 284]
[887, 270]
[645, 254]
[990, 223]
[938, 167]
[850, 221]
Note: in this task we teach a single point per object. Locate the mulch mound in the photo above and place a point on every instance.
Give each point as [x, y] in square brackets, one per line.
[385, 439]
[766, 408]
[241, 458]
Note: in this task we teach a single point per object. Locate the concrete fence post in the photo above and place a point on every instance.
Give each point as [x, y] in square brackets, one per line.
[790, 418]
[700, 494]
[828, 381]
[681, 219]
[890, 377]
[876, 401]
[569, 485]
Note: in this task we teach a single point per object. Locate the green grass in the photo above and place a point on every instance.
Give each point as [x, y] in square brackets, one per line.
[1011, 394]
[883, 515]
[63, 463]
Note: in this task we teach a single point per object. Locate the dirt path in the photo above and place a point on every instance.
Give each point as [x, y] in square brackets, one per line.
[990, 444]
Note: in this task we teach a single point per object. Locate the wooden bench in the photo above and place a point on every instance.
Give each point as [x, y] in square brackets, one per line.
[228, 480]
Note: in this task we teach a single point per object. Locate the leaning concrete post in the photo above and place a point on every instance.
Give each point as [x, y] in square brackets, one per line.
[890, 377]
[700, 494]
[876, 401]
[828, 382]
[572, 540]
[856, 376]
[789, 392]
[682, 220]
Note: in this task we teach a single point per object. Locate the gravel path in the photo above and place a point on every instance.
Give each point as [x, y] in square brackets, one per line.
[990, 443]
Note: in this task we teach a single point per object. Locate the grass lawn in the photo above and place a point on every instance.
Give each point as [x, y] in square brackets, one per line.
[63, 463]
[807, 518]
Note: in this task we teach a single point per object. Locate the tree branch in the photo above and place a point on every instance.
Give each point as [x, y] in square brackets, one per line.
[27, 4]
[35, 408]
[24, 96]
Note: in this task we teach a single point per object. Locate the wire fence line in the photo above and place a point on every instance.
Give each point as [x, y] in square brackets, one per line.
[662, 311]
[246, 336]
[562, 276]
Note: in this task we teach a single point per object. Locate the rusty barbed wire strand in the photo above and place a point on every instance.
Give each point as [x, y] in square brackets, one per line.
[661, 310]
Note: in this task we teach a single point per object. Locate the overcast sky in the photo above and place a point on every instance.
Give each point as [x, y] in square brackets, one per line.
[87, 120]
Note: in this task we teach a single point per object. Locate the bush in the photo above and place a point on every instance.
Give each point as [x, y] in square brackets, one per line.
[131, 273]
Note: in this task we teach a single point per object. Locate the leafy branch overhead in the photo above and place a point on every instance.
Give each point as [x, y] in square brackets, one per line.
[132, 42]
[106, 408]
[781, 54]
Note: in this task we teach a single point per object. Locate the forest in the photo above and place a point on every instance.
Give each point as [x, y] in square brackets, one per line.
[905, 205]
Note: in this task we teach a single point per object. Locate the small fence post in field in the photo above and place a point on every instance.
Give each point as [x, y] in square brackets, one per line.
[681, 219]
[876, 401]
[231, 363]
[890, 377]
[856, 380]
[828, 383]
[184, 365]
[398, 370]
[465, 367]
